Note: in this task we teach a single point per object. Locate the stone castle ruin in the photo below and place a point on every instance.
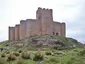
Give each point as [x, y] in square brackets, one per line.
[43, 24]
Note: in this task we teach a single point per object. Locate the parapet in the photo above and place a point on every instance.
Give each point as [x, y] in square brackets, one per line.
[30, 19]
[22, 21]
[17, 25]
[63, 22]
[57, 22]
[39, 8]
[11, 27]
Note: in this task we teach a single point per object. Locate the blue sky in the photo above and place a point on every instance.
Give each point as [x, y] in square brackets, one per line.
[72, 12]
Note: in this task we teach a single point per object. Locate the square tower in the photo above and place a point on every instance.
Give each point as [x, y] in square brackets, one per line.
[45, 19]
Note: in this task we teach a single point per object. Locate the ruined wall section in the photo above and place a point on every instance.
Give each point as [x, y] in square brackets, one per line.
[32, 27]
[11, 33]
[17, 28]
[46, 20]
[22, 29]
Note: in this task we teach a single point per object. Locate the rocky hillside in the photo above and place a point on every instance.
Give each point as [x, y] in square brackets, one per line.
[47, 41]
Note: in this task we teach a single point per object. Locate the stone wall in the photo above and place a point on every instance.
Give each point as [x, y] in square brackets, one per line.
[17, 28]
[32, 27]
[22, 29]
[11, 33]
[57, 28]
[43, 24]
[63, 29]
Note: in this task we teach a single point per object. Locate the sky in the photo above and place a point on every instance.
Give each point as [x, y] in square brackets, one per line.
[72, 12]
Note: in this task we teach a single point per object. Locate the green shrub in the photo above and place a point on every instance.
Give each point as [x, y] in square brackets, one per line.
[81, 53]
[20, 61]
[48, 53]
[76, 50]
[2, 61]
[16, 54]
[11, 57]
[69, 62]
[38, 57]
[7, 52]
[54, 60]
[20, 51]
[3, 55]
[73, 58]
[25, 55]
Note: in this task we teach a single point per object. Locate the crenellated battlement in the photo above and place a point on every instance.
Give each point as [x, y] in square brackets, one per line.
[30, 19]
[39, 8]
[22, 21]
[43, 9]
[17, 25]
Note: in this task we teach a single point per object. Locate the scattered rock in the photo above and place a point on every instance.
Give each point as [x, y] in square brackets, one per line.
[59, 52]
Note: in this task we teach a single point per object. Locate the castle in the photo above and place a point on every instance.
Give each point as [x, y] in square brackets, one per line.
[43, 24]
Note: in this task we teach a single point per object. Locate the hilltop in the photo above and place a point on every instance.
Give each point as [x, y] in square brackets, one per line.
[45, 49]
[45, 41]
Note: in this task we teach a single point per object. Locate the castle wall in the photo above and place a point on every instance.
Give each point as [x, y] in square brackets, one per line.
[22, 29]
[11, 33]
[32, 27]
[63, 28]
[57, 28]
[17, 27]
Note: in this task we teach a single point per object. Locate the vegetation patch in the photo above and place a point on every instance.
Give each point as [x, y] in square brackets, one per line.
[38, 56]
[25, 55]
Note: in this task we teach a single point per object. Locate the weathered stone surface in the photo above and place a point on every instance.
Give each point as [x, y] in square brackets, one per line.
[43, 24]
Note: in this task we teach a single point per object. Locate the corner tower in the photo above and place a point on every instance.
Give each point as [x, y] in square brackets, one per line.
[45, 19]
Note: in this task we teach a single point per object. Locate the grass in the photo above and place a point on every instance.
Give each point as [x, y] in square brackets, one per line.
[70, 57]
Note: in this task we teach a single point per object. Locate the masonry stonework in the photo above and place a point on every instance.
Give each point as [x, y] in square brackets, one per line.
[17, 27]
[11, 33]
[43, 24]
[22, 29]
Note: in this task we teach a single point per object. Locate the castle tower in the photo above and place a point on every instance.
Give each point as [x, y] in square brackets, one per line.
[63, 28]
[17, 27]
[57, 28]
[22, 29]
[11, 33]
[38, 19]
[32, 27]
[45, 18]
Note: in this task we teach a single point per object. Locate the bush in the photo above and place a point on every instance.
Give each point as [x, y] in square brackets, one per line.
[3, 55]
[38, 57]
[76, 50]
[16, 54]
[7, 52]
[2, 61]
[81, 53]
[25, 55]
[48, 53]
[70, 62]
[54, 60]
[11, 57]
[73, 58]
[20, 51]
[20, 61]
